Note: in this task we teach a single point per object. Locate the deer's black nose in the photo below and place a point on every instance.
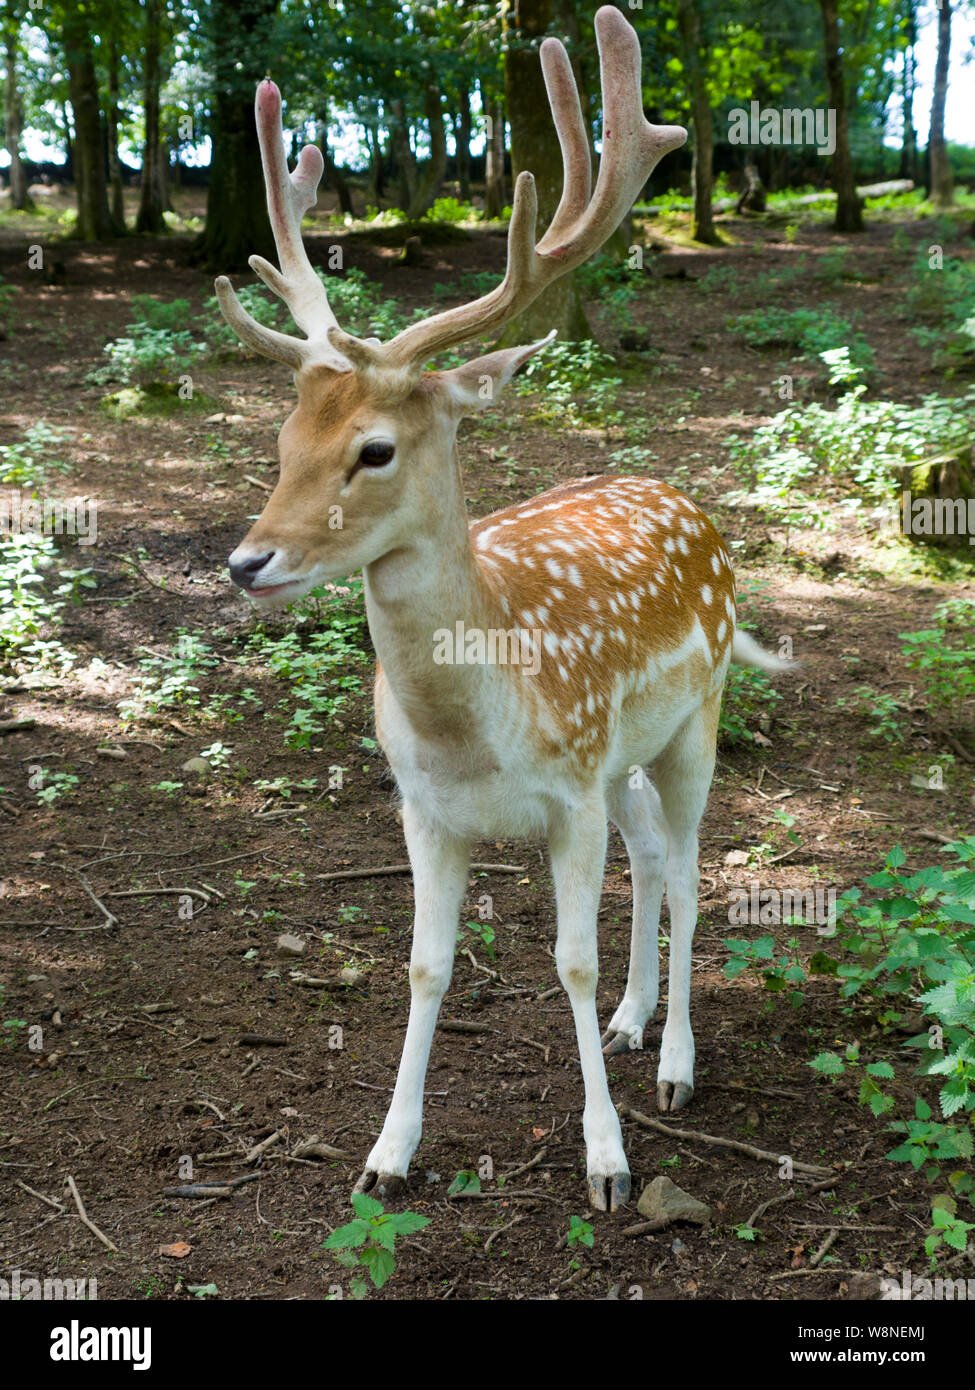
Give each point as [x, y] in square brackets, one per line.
[244, 574]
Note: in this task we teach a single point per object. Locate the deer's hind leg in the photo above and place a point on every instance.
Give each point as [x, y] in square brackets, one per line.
[637, 813]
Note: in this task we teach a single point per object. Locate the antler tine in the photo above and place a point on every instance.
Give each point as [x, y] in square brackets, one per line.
[631, 149]
[563, 97]
[289, 196]
[631, 145]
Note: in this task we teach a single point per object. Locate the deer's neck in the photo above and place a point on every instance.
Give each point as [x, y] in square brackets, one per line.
[417, 594]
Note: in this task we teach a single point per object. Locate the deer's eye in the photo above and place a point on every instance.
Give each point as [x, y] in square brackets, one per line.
[377, 453]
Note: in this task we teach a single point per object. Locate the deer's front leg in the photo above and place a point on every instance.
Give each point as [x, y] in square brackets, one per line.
[440, 863]
[578, 847]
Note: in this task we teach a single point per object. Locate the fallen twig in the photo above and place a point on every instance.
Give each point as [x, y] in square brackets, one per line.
[501, 1230]
[49, 1201]
[156, 892]
[408, 869]
[86, 1219]
[265, 1144]
[224, 1188]
[736, 1144]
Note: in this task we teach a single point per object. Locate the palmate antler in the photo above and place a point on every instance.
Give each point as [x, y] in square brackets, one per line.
[582, 223]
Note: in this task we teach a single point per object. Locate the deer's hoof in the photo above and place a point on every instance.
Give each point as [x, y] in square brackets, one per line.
[672, 1095]
[608, 1193]
[614, 1043]
[387, 1186]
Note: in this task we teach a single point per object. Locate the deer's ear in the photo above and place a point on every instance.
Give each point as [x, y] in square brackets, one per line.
[478, 384]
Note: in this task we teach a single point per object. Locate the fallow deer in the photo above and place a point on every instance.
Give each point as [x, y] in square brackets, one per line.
[620, 587]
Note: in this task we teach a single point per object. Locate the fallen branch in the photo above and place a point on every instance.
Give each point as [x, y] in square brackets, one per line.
[49, 1201]
[735, 1144]
[156, 892]
[263, 1146]
[86, 1219]
[408, 869]
[211, 1189]
[13, 726]
[110, 919]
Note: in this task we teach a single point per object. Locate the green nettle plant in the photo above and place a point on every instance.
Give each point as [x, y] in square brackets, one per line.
[30, 461]
[912, 942]
[157, 347]
[812, 332]
[572, 383]
[944, 657]
[857, 441]
[369, 1242]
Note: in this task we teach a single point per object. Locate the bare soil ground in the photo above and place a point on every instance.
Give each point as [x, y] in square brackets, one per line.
[119, 1093]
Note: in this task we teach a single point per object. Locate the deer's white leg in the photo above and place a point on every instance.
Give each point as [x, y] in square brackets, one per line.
[637, 813]
[683, 777]
[440, 864]
[578, 847]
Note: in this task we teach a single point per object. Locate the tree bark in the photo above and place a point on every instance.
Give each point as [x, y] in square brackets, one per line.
[333, 174]
[702, 158]
[237, 224]
[535, 146]
[149, 218]
[849, 209]
[494, 191]
[116, 198]
[908, 160]
[406, 171]
[942, 184]
[431, 176]
[13, 117]
[463, 142]
[94, 218]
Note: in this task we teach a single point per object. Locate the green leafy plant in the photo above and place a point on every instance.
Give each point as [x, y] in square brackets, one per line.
[811, 331]
[156, 348]
[572, 381]
[580, 1233]
[482, 934]
[881, 709]
[369, 1241]
[944, 657]
[779, 972]
[748, 695]
[465, 1181]
[912, 941]
[30, 461]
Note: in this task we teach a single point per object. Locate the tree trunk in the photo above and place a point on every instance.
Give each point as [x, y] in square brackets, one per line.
[908, 160]
[150, 215]
[942, 184]
[164, 174]
[406, 172]
[116, 199]
[13, 118]
[68, 144]
[463, 142]
[849, 209]
[333, 174]
[94, 219]
[535, 146]
[702, 158]
[494, 192]
[237, 224]
[432, 174]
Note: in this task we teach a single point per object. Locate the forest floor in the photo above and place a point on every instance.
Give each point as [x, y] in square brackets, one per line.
[140, 1074]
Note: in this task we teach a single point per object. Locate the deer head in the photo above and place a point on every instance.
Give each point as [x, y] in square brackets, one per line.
[365, 454]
